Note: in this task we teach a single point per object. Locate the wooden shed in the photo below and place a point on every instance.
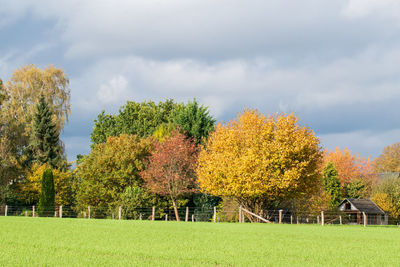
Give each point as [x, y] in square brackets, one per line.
[355, 208]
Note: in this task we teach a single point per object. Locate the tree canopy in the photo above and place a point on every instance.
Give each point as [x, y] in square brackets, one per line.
[45, 146]
[148, 118]
[2, 92]
[349, 166]
[25, 88]
[195, 121]
[21, 94]
[171, 168]
[332, 184]
[387, 196]
[150, 152]
[389, 160]
[63, 180]
[109, 169]
[258, 159]
[140, 119]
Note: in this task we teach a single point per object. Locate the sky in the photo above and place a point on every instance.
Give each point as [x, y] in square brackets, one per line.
[333, 63]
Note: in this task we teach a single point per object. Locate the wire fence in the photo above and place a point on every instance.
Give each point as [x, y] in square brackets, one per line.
[201, 214]
[126, 213]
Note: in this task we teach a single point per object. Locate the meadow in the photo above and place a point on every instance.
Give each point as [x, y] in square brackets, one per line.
[26, 241]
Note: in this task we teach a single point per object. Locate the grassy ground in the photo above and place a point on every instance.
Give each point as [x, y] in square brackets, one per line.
[80, 242]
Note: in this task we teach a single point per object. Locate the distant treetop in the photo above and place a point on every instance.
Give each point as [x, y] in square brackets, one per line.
[147, 118]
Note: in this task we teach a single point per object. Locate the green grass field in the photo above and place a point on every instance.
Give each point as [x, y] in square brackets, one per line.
[80, 242]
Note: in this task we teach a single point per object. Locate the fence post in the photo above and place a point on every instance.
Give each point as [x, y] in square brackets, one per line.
[365, 219]
[187, 214]
[153, 213]
[340, 219]
[297, 219]
[88, 212]
[192, 217]
[166, 217]
[318, 219]
[119, 212]
[33, 211]
[322, 218]
[291, 219]
[280, 216]
[5, 211]
[215, 214]
[26, 213]
[240, 214]
[60, 212]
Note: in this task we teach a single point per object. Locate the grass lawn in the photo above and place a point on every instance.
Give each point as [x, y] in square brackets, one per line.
[80, 242]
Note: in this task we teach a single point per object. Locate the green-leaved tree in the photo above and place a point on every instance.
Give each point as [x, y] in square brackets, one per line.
[47, 194]
[332, 184]
[359, 188]
[148, 118]
[140, 119]
[109, 169]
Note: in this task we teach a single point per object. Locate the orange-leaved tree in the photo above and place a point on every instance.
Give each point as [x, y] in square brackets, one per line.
[260, 159]
[350, 167]
[171, 168]
[355, 173]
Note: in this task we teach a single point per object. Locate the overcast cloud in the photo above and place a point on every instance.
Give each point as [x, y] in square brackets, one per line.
[334, 63]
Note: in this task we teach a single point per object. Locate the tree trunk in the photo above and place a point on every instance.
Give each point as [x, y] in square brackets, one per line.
[176, 210]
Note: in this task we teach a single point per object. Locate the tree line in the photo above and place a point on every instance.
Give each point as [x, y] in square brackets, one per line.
[170, 154]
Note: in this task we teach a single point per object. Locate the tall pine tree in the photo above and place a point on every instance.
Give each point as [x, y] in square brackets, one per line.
[45, 145]
[332, 184]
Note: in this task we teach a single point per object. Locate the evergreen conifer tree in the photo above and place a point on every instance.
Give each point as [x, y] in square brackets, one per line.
[195, 121]
[332, 184]
[45, 143]
[47, 195]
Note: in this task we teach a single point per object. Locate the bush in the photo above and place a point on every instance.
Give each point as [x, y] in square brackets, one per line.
[228, 210]
[28, 213]
[133, 200]
[205, 204]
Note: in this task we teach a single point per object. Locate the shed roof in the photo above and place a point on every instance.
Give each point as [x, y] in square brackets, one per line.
[364, 205]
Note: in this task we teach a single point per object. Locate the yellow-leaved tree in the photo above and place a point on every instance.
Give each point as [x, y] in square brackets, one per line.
[27, 85]
[20, 95]
[389, 160]
[63, 185]
[386, 195]
[260, 159]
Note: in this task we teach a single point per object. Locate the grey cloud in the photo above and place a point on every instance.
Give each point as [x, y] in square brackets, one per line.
[211, 30]
[335, 63]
